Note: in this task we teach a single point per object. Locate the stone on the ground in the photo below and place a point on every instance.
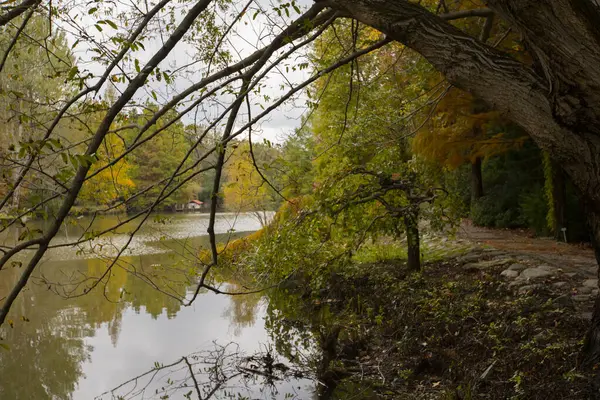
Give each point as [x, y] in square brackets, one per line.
[548, 268]
[493, 253]
[572, 275]
[483, 265]
[528, 288]
[518, 282]
[560, 285]
[471, 257]
[526, 259]
[587, 315]
[535, 273]
[584, 290]
[595, 292]
[517, 267]
[509, 273]
[581, 297]
[591, 283]
[563, 301]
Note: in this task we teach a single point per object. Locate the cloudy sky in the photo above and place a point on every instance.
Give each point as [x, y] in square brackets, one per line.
[254, 30]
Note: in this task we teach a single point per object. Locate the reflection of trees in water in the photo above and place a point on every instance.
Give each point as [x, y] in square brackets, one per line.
[46, 353]
[46, 344]
[311, 335]
[221, 372]
[306, 335]
[242, 310]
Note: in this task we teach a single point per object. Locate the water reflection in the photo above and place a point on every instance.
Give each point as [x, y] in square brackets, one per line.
[159, 234]
[128, 336]
[62, 348]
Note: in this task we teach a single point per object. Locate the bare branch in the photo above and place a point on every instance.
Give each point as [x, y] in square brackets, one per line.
[18, 10]
[480, 12]
[16, 37]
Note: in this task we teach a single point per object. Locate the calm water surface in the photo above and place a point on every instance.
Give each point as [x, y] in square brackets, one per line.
[82, 347]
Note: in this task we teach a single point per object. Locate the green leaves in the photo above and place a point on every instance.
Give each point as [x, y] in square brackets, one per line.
[111, 24]
[72, 72]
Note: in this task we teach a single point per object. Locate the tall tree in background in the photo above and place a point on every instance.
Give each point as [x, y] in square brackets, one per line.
[31, 78]
[364, 170]
[245, 187]
[461, 132]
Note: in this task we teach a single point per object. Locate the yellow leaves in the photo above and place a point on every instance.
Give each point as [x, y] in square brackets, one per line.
[458, 132]
[246, 190]
[111, 182]
[372, 34]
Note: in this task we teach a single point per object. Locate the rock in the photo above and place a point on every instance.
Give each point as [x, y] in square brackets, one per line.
[483, 265]
[517, 267]
[468, 258]
[574, 275]
[518, 282]
[586, 315]
[529, 288]
[595, 292]
[472, 267]
[584, 290]
[560, 285]
[564, 301]
[580, 298]
[548, 268]
[591, 283]
[526, 259]
[535, 273]
[509, 273]
[493, 253]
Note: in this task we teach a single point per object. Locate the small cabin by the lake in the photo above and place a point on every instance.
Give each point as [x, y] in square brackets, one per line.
[195, 205]
[192, 205]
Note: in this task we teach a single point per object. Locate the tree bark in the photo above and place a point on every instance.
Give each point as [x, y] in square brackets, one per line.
[411, 223]
[476, 180]
[556, 99]
[590, 353]
[559, 203]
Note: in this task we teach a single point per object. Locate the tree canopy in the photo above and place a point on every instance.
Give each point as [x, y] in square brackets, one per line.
[129, 106]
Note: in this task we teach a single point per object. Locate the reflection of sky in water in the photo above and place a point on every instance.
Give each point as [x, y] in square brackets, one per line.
[143, 341]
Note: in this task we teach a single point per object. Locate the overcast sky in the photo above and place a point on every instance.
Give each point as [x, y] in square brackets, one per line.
[250, 33]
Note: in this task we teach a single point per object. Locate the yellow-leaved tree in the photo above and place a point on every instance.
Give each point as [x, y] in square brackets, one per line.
[245, 190]
[112, 183]
[461, 131]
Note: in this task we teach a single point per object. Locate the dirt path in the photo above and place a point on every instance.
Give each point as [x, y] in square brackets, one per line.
[568, 257]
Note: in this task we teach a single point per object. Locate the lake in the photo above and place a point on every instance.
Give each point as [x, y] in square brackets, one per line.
[64, 345]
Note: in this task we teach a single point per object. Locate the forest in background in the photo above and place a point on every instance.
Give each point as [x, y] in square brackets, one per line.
[489, 168]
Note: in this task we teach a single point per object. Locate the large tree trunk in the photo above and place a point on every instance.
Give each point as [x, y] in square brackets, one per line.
[411, 223]
[559, 203]
[556, 100]
[476, 181]
[590, 354]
